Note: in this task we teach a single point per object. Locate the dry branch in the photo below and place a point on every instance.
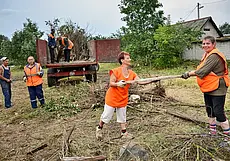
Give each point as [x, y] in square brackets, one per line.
[37, 149]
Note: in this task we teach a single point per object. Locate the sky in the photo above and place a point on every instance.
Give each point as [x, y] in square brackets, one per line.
[98, 16]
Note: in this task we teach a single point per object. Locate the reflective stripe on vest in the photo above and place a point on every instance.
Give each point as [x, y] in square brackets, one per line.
[211, 81]
[33, 79]
[70, 43]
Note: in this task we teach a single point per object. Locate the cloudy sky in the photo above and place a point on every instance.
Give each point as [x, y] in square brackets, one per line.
[101, 16]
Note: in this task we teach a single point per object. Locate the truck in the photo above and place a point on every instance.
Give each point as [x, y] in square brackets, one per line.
[104, 50]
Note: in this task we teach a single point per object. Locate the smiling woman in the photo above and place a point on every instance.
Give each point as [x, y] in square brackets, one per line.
[213, 80]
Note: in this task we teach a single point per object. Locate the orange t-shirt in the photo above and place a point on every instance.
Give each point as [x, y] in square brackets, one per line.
[117, 96]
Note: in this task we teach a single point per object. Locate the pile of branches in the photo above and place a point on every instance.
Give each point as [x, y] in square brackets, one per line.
[76, 34]
[154, 93]
[197, 147]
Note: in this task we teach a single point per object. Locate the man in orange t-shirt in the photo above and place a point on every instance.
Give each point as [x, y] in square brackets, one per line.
[117, 95]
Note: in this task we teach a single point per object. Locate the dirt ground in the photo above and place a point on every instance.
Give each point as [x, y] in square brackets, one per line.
[164, 136]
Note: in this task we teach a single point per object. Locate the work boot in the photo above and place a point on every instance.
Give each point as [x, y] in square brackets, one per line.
[127, 136]
[98, 133]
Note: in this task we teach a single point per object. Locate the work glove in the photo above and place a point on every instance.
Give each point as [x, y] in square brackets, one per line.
[24, 79]
[121, 83]
[185, 75]
[40, 74]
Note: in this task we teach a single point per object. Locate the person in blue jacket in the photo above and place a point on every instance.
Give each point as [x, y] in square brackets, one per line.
[52, 45]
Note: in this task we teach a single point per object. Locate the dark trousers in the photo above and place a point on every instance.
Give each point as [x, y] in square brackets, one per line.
[36, 92]
[215, 107]
[6, 90]
[67, 55]
[52, 56]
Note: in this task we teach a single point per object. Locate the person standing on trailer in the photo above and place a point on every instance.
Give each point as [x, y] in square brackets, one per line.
[67, 45]
[33, 78]
[52, 45]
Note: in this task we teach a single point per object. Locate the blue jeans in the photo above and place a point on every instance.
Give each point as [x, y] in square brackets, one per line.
[6, 90]
[36, 92]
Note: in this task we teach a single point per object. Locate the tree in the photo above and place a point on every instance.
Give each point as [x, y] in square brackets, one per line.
[4, 41]
[142, 15]
[142, 18]
[171, 42]
[225, 28]
[24, 42]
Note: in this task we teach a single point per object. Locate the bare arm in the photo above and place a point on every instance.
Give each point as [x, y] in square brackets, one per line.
[1, 77]
[112, 81]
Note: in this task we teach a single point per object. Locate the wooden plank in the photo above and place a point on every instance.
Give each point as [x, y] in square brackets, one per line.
[95, 158]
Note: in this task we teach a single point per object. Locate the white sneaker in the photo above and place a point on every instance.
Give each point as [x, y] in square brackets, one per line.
[98, 133]
[126, 135]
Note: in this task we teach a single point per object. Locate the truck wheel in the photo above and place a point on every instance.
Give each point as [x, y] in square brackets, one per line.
[95, 77]
[91, 77]
[52, 81]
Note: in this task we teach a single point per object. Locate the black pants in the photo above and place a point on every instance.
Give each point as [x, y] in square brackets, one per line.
[67, 55]
[52, 56]
[215, 107]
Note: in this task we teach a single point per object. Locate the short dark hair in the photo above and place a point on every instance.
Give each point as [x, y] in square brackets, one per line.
[211, 38]
[121, 55]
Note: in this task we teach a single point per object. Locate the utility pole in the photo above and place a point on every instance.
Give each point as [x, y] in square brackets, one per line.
[198, 9]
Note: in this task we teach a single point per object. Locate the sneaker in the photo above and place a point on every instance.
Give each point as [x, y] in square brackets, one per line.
[212, 132]
[98, 133]
[126, 135]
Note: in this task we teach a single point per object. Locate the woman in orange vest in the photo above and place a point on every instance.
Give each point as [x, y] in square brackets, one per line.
[33, 78]
[117, 95]
[212, 78]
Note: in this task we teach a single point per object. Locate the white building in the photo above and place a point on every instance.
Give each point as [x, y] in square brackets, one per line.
[209, 28]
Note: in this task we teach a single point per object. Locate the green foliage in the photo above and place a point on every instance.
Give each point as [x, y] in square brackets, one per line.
[23, 43]
[141, 15]
[225, 28]
[142, 18]
[64, 105]
[5, 45]
[171, 43]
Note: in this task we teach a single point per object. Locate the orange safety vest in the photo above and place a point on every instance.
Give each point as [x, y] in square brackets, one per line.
[33, 79]
[50, 35]
[211, 81]
[70, 43]
[117, 97]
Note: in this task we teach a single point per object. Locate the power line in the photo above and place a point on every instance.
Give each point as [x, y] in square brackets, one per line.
[187, 16]
[214, 2]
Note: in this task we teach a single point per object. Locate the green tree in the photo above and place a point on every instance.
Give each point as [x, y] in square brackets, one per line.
[4, 41]
[24, 42]
[142, 15]
[171, 42]
[225, 28]
[142, 18]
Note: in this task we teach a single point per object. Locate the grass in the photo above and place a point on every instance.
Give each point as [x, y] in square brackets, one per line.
[67, 105]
